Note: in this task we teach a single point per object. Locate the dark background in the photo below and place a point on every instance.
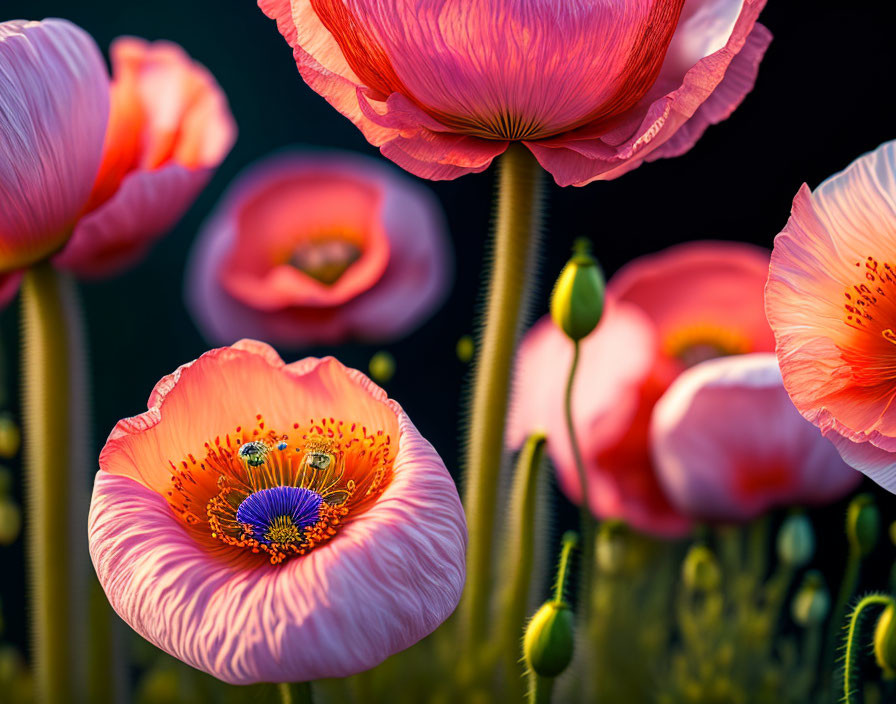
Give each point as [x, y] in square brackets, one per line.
[823, 97]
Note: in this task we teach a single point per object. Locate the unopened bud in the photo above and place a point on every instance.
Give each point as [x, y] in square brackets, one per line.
[812, 602]
[796, 541]
[382, 367]
[548, 643]
[577, 301]
[700, 570]
[885, 641]
[862, 524]
[10, 521]
[10, 436]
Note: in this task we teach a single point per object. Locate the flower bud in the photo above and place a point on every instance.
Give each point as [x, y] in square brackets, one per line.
[10, 521]
[577, 301]
[10, 436]
[862, 524]
[548, 643]
[811, 604]
[796, 541]
[885, 641]
[700, 570]
[382, 367]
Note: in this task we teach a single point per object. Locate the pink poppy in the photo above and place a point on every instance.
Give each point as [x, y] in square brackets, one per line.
[271, 522]
[684, 305]
[593, 88]
[830, 300]
[318, 247]
[728, 444]
[54, 104]
[147, 157]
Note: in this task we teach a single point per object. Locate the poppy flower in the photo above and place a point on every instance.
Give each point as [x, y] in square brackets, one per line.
[137, 151]
[830, 301]
[728, 444]
[682, 306]
[271, 522]
[318, 247]
[593, 88]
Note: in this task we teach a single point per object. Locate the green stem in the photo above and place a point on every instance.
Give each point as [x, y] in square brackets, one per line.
[46, 376]
[585, 518]
[295, 693]
[850, 678]
[518, 222]
[847, 589]
[570, 540]
[540, 689]
[519, 557]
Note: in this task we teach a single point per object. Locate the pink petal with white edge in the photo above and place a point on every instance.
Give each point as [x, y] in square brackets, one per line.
[728, 443]
[838, 363]
[710, 67]
[878, 464]
[386, 580]
[54, 104]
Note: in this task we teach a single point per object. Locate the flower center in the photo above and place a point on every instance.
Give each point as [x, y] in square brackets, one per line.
[279, 514]
[281, 494]
[697, 343]
[325, 259]
[870, 309]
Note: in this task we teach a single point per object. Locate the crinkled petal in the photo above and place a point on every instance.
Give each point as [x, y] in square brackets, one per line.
[831, 301]
[388, 579]
[54, 105]
[728, 443]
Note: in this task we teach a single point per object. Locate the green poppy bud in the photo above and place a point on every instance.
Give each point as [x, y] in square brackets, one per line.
[700, 570]
[382, 367]
[885, 641]
[10, 436]
[577, 301]
[862, 523]
[796, 541]
[812, 602]
[549, 639]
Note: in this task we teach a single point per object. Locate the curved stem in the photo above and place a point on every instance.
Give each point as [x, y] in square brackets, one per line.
[570, 539]
[585, 518]
[295, 693]
[46, 385]
[516, 228]
[519, 558]
[852, 635]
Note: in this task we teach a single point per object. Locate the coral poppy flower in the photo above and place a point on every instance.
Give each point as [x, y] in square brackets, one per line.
[54, 104]
[830, 300]
[317, 247]
[267, 522]
[728, 444]
[592, 87]
[694, 302]
[147, 158]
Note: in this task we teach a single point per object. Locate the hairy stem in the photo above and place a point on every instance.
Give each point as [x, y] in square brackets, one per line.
[516, 228]
[847, 589]
[851, 653]
[540, 689]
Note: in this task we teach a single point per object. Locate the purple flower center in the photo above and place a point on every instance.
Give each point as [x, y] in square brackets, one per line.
[281, 514]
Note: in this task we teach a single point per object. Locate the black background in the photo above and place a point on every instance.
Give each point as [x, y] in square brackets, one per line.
[823, 97]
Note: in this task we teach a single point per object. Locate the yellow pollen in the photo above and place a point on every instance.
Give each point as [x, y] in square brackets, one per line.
[326, 258]
[693, 344]
[283, 531]
[889, 335]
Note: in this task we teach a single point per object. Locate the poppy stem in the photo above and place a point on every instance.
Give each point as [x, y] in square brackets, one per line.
[295, 693]
[517, 228]
[519, 558]
[55, 482]
[587, 522]
[540, 689]
[851, 678]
